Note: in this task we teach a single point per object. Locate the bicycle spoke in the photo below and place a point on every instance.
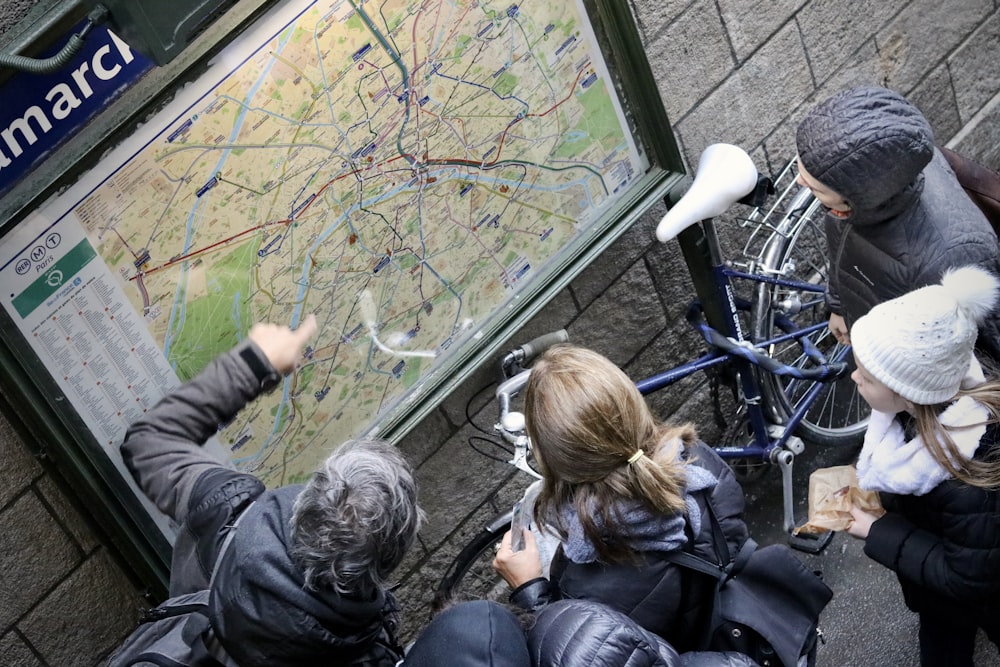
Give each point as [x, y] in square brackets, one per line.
[837, 415]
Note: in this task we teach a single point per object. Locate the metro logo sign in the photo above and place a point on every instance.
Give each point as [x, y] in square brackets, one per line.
[45, 110]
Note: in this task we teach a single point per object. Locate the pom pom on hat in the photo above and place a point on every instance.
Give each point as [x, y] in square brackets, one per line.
[920, 345]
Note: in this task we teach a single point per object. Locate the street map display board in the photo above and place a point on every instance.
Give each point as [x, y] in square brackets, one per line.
[406, 171]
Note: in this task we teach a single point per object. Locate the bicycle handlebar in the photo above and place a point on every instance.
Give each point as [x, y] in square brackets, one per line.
[536, 346]
[515, 360]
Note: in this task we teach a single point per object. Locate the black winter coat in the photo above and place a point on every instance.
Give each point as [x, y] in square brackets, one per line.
[910, 218]
[659, 595]
[581, 632]
[945, 546]
[260, 609]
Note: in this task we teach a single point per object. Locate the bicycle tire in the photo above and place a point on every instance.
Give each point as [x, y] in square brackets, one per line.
[797, 250]
[471, 576]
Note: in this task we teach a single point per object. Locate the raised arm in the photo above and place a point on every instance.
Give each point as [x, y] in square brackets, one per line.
[163, 449]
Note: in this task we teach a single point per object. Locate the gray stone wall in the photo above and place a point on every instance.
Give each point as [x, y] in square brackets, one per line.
[727, 70]
[65, 598]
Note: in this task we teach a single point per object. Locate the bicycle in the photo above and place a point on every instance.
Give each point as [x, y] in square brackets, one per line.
[789, 376]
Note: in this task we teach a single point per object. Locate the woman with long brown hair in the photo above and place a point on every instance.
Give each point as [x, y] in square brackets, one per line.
[932, 451]
[621, 490]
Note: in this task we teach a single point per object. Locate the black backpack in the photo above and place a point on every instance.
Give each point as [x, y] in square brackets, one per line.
[766, 603]
[177, 633]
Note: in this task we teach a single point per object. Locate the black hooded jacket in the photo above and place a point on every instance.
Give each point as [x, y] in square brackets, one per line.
[260, 609]
[264, 614]
[910, 219]
[944, 546]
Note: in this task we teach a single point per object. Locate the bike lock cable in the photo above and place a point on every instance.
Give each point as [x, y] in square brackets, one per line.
[746, 350]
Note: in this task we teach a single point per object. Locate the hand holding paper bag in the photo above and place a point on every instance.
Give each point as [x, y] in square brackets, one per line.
[832, 493]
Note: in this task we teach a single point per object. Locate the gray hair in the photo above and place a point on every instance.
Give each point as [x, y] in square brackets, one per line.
[356, 518]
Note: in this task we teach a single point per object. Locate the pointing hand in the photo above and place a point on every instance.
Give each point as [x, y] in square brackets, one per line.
[283, 345]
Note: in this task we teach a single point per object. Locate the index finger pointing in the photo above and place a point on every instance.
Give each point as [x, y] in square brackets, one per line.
[307, 328]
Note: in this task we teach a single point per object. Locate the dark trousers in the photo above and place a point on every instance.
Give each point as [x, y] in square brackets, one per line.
[950, 642]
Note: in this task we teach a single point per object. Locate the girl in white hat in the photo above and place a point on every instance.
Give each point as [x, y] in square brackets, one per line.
[932, 451]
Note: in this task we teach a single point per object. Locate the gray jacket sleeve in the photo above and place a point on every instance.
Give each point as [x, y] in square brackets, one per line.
[835, 244]
[163, 450]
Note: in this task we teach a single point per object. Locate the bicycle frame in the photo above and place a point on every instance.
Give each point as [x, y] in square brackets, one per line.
[716, 299]
[715, 313]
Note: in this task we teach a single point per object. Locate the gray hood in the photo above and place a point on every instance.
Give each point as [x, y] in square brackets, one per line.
[870, 145]
[262, 611]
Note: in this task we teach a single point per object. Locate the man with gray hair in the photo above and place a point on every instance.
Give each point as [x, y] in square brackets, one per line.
[298, 573]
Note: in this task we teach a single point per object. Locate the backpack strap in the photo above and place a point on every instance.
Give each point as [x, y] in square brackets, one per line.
[981, 183]
[742, 558]
[726, 567]
[227, 541]
[197, 603]
[212, 642]
[696, 563]
[721, 572]
[171, 610]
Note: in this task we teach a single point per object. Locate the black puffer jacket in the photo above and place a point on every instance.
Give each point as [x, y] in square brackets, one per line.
[581, 632]
[662, 597]
[945, 546]
[910, 218]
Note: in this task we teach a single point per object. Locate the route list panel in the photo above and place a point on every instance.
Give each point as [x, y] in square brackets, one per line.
[85, 332]
[402, 170]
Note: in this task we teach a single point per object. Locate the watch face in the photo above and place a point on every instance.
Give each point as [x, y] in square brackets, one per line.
[270, 382]
[266, 375]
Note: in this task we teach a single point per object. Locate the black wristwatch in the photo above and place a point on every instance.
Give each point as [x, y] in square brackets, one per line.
[265, 373]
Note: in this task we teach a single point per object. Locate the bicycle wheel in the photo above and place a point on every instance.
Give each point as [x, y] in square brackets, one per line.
[471, 575]
[797, 250]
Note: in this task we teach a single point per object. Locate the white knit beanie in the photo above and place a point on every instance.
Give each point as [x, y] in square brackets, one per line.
[920, 345]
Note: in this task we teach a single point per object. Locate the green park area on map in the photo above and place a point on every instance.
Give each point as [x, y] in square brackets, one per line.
[435, 155]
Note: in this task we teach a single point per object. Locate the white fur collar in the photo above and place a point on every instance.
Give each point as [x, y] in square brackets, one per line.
[890, 463]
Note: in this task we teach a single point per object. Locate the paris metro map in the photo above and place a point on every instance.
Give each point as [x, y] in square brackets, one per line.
[398, 168]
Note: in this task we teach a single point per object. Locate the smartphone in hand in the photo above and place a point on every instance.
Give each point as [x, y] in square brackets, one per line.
[518, 523]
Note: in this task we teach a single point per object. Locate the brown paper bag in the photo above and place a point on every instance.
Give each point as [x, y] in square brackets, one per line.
[832, 491]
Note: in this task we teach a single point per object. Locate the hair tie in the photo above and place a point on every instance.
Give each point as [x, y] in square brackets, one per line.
[635, 457]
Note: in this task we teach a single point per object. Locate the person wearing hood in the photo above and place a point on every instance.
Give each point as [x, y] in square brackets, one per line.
[897, 217]
[297, 573]
[623, 492]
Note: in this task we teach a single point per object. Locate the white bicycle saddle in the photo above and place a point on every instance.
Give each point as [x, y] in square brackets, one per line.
[725, 174]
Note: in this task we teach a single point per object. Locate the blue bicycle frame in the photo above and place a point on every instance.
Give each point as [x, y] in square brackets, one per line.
[716, 316]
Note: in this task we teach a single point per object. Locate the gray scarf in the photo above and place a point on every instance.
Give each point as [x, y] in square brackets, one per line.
[642, 529]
